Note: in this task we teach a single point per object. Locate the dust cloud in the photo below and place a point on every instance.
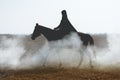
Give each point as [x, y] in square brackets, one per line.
[20, 52]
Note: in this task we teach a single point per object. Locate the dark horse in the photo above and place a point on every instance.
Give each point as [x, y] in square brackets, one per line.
[64, 28]
[53, 35]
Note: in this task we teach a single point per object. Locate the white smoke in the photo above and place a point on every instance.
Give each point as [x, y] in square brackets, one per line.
[56, 53]
[20, 52]
[110, 57]
[10, 52]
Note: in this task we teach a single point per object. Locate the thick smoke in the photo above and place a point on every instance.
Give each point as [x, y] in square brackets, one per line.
[20, 52]
[110, 56]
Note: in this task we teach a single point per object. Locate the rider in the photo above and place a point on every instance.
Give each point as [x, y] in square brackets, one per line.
[65, 26]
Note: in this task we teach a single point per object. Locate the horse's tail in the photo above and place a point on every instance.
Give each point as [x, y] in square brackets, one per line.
[91, 41]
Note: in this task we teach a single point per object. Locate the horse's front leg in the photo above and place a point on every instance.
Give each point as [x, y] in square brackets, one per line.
[81, 59]
[81, 55]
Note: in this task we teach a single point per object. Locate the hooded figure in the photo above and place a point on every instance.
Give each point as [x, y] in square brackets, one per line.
[65, 27]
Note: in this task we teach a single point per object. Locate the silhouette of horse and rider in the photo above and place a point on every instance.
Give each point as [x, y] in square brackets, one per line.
[64, 28]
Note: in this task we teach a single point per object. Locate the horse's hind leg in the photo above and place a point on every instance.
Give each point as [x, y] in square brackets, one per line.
[91, 63]
[91, 55]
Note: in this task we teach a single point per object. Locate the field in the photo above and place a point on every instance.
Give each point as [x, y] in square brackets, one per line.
[60, 74]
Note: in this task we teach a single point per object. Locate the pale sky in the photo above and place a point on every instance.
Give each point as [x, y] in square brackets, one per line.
[89, 16]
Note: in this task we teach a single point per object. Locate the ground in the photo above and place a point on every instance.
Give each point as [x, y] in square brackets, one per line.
[60, 74]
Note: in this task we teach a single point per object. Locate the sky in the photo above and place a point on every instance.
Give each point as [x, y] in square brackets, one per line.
[88, 16]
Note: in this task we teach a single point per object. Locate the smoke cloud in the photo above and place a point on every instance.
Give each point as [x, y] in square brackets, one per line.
[20, 52]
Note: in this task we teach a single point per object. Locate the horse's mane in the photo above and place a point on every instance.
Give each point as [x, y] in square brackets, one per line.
[46, 28]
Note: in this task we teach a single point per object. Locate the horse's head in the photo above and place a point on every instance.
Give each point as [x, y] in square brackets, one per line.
[36, 32]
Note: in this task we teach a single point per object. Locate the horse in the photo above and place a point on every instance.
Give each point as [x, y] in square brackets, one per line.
[53, 35]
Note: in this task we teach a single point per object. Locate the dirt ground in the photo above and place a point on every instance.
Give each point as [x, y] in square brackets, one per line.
[59, 74]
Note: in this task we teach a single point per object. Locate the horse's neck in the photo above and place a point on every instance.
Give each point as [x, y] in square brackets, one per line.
[46, 31]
